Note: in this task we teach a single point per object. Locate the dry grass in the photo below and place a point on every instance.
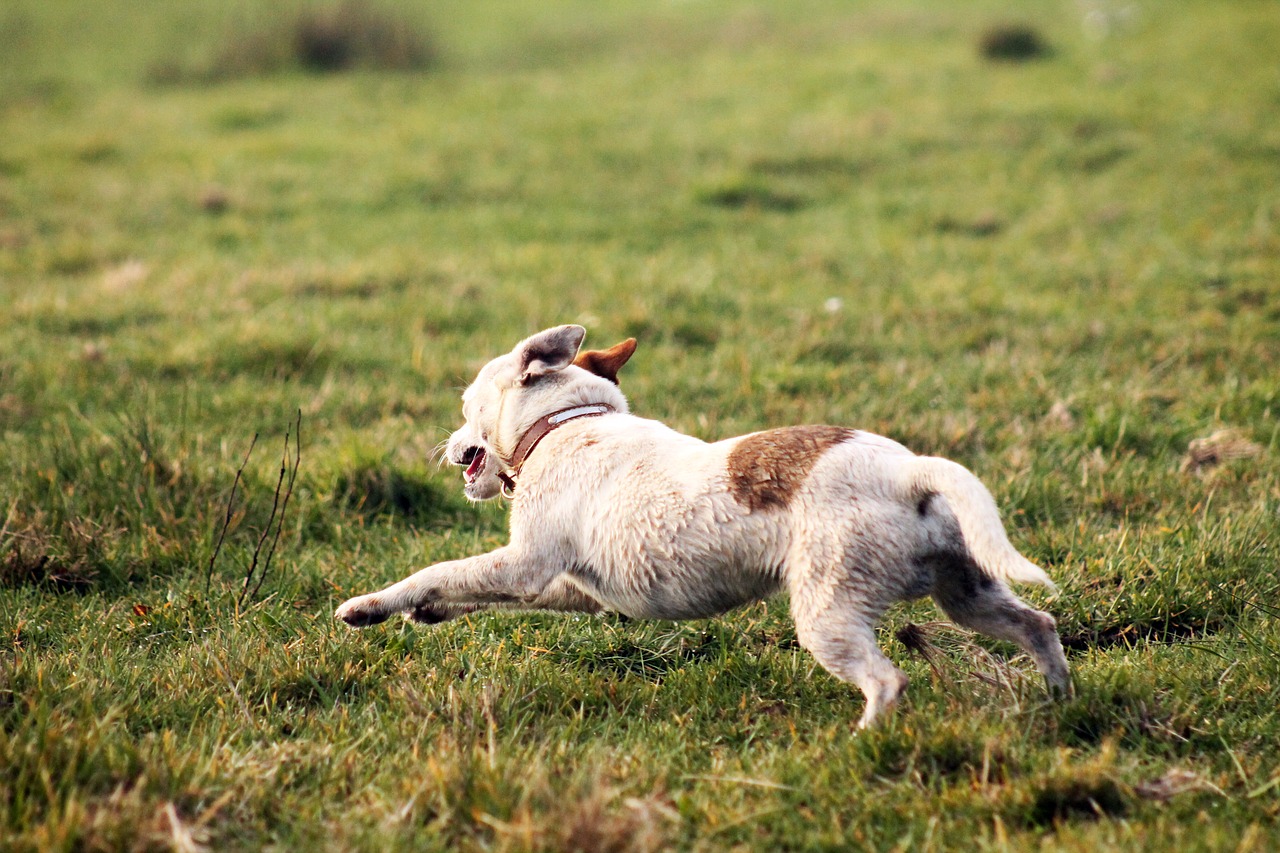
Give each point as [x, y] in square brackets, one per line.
[1224, 445]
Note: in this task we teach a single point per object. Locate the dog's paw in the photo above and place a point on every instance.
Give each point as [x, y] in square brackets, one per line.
[362, 611]
[1061, 690]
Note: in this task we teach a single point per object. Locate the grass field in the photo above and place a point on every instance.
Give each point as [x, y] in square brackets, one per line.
[1059, 272]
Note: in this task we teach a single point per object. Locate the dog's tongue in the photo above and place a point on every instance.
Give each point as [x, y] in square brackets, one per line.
[473, 470]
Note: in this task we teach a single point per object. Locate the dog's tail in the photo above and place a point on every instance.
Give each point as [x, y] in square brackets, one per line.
[980, 525]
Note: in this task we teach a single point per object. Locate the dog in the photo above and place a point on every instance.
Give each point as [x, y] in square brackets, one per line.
[614, 512]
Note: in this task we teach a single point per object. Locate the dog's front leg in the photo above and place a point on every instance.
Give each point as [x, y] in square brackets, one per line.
[561, 596]
[504, 576]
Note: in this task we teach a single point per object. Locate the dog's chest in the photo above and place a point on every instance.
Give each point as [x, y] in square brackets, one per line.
[652, 529]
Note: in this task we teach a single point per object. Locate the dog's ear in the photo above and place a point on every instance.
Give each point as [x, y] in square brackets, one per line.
[607, 362]
[548, 351]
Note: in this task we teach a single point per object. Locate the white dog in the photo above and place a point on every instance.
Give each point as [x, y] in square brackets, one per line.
[611, 511]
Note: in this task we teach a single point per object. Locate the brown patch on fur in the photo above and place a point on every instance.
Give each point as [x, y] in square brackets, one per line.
[606, 363]
[767, 468]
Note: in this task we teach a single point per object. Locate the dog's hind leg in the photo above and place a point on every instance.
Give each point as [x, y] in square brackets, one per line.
[988, 606]
[848, 651]
[841, 636]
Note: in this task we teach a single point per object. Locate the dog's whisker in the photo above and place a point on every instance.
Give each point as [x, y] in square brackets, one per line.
[438, 452]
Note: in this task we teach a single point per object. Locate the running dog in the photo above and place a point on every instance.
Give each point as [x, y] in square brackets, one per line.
[610, 511]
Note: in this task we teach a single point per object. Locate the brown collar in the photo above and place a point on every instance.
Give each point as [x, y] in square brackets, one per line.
[537, 432]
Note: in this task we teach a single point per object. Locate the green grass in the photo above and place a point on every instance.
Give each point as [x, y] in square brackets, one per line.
[1059, 272]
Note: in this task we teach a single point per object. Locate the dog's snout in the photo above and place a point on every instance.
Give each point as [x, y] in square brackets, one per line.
[461, 448]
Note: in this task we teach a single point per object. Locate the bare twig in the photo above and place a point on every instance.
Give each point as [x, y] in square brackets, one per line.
[293, 476]
[262, 538]
[226, 521]
[276, 518]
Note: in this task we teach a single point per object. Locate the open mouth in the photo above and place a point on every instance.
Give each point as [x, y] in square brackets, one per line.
[477, 455]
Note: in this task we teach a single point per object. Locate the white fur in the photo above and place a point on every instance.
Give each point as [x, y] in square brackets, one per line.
[621, 513]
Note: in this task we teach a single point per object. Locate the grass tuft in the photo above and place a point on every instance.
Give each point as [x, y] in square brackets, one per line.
[1075, 790]
[357, 34]
[1222, 446]
[33, 554]
[750, 193]
[604, 822]
[1012, 43]
[351, 35]
[1062, 800]
[984, 225]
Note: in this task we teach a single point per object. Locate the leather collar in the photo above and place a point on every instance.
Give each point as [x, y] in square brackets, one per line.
[537, 432]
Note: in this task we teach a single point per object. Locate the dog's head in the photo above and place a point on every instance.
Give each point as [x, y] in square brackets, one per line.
[545, 373]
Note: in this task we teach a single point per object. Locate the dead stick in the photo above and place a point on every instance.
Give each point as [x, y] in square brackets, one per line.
[266, 531]
[288, 493]
[226, 521]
